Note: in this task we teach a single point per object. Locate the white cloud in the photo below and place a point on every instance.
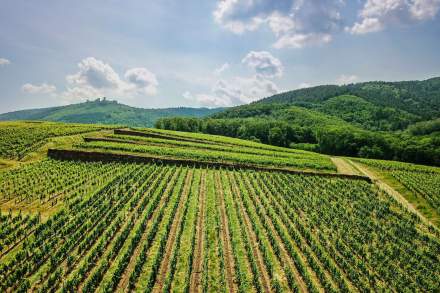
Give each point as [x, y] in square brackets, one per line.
[95, 73]
[96, 78]
[297, 41]
[235, 91]
[295, 23]
[207, 100]
[368, 25]
[264, 64]
[280, 24]
[4, 61]
[424, 9]
[376, 15]
[143, 80]
[43, 88]
[239, 89]
[303, 85]
[221, 69]
[346, 79]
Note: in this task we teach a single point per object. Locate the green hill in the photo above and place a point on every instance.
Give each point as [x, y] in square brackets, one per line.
[384, 120]
[105, 112]
[421, 98]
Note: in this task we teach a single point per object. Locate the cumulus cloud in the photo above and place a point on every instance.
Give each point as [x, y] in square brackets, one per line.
[295, 23]
[4, 61]
[221, 69]
[96, 74]
[43, 88]
[264, 64]
[143, 80]
[346, 79]
[96, 78]
[296, 41]
[242, 89]
[376, 15]
[235, 91]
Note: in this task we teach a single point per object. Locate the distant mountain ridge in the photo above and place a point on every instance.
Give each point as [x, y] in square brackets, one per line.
[103, 111]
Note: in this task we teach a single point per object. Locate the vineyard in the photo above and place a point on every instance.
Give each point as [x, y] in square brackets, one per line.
[174, 228]
[20, 138]
[204, 148]
[104, 226]
[422, 181]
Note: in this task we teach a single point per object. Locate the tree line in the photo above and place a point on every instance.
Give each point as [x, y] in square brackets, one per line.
[333, 139]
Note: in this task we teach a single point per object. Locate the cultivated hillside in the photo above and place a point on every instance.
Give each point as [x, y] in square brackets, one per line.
[154, 210]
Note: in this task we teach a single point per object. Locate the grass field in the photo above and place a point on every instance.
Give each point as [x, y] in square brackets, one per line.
[104, 226]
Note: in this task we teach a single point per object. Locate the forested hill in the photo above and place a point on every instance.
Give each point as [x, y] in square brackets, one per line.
[417, 97]
[386, 120]
[407, 101]
[106, 112]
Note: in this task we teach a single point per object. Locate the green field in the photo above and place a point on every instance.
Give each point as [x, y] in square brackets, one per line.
[205, 219]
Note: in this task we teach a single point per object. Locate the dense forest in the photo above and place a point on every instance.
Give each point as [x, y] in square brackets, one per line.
[398, 121]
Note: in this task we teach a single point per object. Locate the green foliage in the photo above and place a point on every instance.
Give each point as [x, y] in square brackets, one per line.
[365, 114]
[425, 127]
[421, 180]
[105, 112]
[207, 148]
[285, 232]
[365, 120]
[19, 138]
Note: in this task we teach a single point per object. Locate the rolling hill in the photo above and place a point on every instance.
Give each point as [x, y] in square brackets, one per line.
[105, 112]
[383, 120]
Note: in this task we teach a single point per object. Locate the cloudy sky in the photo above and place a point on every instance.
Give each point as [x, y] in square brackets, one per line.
[163, 53]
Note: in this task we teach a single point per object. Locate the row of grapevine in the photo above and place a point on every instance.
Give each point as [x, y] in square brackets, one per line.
[20, 138]
[158, 228]
[422, 181]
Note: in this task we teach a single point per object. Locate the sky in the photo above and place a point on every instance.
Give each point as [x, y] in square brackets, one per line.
[207, 53]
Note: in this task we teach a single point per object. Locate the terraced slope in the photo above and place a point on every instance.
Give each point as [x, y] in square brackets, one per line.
[203, 148]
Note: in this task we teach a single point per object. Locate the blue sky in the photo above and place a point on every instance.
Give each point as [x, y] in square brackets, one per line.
[164, 53]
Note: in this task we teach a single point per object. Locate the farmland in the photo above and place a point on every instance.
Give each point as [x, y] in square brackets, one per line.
[95, 225]
[20, 138]
[205, 148]
[422, 182]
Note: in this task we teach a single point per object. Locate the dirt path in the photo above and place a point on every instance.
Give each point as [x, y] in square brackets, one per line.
[229, 260]
[179, 217]
[343, 166]
[391, 191]
[265, 280]
[196, 271]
